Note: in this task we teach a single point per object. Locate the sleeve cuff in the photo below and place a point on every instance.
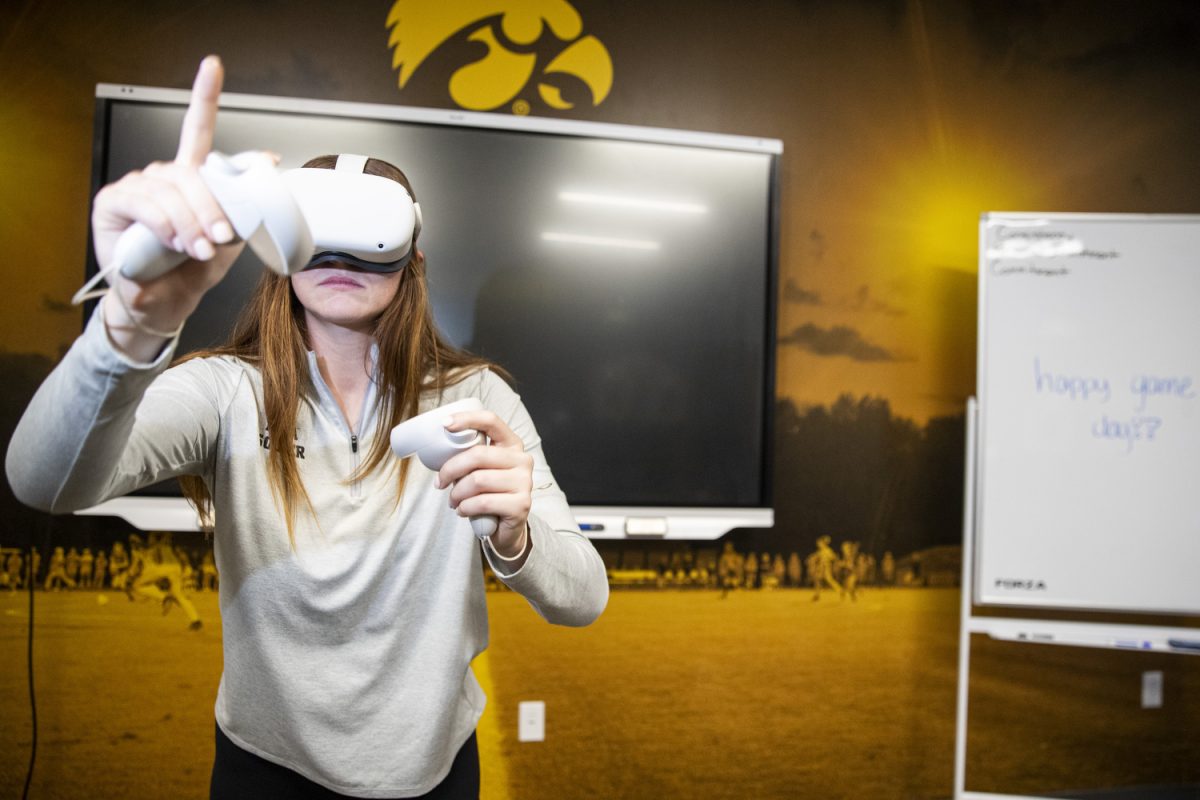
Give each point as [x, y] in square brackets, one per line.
[502, 568]
[97, 333]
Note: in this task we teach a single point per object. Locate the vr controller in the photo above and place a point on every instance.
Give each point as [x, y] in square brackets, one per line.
[294, 219]
[260, 209]
[426, 437]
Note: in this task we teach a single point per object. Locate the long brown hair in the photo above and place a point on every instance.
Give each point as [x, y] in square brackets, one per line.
[271, 335]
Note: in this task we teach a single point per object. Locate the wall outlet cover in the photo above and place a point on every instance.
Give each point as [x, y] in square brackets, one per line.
[531, 721]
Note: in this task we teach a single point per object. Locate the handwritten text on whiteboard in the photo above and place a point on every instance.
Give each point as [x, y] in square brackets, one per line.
[1148, 396]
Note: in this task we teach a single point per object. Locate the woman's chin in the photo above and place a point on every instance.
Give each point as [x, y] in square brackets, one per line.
[341, 315]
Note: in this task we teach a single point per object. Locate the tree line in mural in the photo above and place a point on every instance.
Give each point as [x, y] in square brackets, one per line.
[851, 470]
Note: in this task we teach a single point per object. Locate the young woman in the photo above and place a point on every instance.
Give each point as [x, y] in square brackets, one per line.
[351, 589]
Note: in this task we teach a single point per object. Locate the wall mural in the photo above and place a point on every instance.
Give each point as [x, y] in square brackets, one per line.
[542, 44]
[816, 659]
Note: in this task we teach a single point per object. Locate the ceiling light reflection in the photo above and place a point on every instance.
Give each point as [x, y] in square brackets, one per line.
[599, 241]
[641, 203]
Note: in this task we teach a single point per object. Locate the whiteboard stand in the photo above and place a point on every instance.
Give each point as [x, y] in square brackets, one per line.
[964, 617]
[1032, 631]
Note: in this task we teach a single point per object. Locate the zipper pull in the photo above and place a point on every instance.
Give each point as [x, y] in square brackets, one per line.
[353, 443]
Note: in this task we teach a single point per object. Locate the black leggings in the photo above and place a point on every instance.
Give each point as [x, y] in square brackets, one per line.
[240, 775]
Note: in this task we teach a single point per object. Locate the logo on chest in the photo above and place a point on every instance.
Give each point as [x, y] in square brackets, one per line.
[264, 441]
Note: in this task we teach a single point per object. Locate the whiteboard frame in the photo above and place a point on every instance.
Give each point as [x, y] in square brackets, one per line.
[1028, 631]
[988, 219]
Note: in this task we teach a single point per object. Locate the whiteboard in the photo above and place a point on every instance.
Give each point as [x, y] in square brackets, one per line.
[1088, 385]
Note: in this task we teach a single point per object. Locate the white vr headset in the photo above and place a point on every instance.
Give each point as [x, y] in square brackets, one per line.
[292, 220]
[368, 221]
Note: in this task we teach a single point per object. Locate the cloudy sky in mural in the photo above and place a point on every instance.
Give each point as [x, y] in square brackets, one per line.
[923, 125]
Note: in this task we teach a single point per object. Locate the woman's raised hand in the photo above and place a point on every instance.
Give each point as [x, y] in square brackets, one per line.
[172, 200]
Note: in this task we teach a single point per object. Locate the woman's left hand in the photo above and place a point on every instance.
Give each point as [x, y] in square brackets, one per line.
[495, 479]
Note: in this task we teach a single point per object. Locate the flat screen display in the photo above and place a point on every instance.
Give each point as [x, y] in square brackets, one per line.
[627, 285]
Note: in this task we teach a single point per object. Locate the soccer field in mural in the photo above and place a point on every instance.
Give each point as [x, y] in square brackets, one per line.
[672, 693]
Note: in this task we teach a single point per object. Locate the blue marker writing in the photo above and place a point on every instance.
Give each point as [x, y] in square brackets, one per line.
[1073, 387]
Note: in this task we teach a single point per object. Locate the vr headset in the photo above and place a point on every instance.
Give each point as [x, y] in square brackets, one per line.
[364, 220]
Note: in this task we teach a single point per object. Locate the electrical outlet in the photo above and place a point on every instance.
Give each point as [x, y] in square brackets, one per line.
[531, 721]
[1152, 689]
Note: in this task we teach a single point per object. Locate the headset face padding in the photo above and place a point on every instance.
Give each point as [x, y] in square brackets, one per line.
[365, 220]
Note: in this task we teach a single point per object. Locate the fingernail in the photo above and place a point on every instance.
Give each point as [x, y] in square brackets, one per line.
[203, 249]
[447, 422]
[177, 245]
[222, 232]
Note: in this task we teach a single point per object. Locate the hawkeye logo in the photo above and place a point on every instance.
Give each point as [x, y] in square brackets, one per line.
[525, 43]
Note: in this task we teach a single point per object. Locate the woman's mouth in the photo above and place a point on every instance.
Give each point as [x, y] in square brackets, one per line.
[339, 280]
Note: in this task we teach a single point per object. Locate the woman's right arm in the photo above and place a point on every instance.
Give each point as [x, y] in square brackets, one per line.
[102, 425]
[77, 441]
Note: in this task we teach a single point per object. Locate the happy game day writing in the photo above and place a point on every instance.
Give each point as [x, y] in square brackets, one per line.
[1150, 397]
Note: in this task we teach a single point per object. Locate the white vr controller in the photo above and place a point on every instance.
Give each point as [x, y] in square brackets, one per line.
[259, 206]
[294, 219]
[425, 436]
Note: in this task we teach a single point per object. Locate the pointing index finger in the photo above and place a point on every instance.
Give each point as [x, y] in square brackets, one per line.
[196, 136]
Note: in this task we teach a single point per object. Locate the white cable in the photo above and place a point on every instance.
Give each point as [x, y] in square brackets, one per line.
[89, 292]
[85, 292]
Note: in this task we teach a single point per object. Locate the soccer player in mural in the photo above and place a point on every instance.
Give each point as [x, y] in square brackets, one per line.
[100, 570]
[706, 569]
[676, 571]
[795, 571]
[847, 569]
[16, 569]
[779, 570]
[208, 571]
[750, 570]
[86, 562]
[352, 597]
[12, 570]
[189, 580]
[133, 571]
[118, 566]
[156, 574]
[765, 575]
[728, 567]
[56, 573]
[868, 570]
[821, 565]
[72, 567]
[887, 568]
